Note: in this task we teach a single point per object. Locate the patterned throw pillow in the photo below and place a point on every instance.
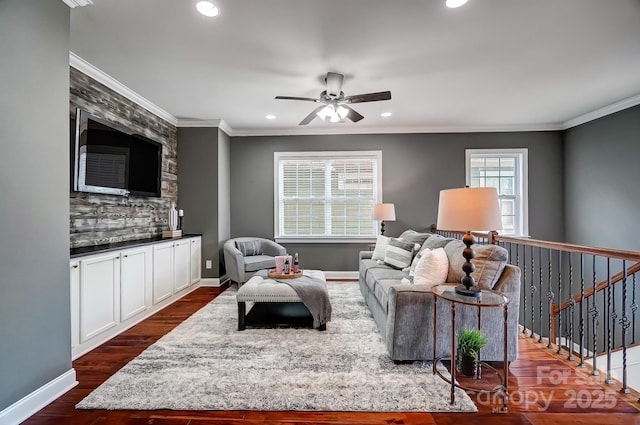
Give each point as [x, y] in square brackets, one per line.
[489, 261]
[432, 268]
[249, 248]
[399, 254]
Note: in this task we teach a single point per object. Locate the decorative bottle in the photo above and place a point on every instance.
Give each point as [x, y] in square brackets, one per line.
[287, 265]
[296, 264]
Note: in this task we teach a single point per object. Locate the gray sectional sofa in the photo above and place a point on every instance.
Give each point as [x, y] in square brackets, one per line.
[404, 312]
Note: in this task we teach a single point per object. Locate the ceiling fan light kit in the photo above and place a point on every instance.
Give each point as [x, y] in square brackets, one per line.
[335, 103]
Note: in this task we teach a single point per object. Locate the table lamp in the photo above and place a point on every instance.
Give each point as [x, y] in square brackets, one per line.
[382, 212]
[469, 209]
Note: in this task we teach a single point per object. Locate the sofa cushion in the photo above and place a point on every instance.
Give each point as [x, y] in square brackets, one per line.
[432, 268]
[249, 248]
[399, 254]
[382, 242]
[258, 262]
[489, 261]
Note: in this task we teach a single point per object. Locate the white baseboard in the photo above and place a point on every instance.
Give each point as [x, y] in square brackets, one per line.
[210, 281]
[32, 403]
[341, 275]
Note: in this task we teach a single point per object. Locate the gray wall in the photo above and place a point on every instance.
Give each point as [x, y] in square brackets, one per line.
[97, 219]
[198, 180]
[224, 194]
[601, 173]
[34, 202]
[415, 167]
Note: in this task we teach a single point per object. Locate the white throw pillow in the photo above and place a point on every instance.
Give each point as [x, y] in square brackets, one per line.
[381, 248]
[432, 268]
[414, 263]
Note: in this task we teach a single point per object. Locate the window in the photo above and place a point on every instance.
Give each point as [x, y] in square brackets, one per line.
[506, 170]
[326, 196]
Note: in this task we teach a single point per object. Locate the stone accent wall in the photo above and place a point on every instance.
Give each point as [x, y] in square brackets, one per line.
[97, 219]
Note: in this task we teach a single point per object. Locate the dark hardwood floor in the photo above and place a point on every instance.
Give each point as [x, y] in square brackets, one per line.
[544, 389]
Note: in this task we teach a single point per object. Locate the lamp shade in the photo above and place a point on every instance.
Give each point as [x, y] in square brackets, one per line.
[385, 212]
[469, 208]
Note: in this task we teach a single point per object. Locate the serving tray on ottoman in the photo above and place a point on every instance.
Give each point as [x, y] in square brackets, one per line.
[275, 304]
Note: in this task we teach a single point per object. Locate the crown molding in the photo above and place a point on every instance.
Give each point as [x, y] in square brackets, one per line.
[337, 130]
[221, 124]
[102, 77]
[75, 3]
[602, 112]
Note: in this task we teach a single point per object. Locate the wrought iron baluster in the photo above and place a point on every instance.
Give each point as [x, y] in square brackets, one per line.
[595, 314]
[609, 311]
[625, 323]
[540, 295]
[532, 292]
[634, 307]
[582, 307]
[572, 304]
[559, 334]
[550, 301]
[524, 280]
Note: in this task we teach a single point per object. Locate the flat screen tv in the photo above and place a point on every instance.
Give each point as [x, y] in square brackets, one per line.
[113, 160]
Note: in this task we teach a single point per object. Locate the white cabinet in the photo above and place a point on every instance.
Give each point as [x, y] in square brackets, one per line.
[74, 270]
[196, 259]
[182, 262]
[135, 281]
[112, 291]
[162, 271]
[99, 295]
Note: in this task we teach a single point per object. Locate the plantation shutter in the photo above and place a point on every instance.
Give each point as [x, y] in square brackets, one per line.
[327, 196]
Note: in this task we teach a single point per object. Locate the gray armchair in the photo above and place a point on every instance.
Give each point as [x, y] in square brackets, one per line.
[260, 255]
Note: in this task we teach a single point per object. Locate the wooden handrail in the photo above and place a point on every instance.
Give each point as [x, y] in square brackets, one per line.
[494, 237]
[581, 249]
[599, 287]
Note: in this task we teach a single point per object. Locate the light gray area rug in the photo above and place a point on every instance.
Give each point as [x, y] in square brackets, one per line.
[206, 364]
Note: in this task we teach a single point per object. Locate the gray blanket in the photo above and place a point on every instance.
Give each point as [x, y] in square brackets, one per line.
[313, 294]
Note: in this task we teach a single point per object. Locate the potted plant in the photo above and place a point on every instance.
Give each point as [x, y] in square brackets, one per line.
[470, 341]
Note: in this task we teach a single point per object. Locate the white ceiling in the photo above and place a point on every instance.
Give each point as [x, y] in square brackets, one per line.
[489, 65]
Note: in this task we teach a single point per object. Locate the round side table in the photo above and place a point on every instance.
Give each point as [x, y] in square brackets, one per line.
[487, 299]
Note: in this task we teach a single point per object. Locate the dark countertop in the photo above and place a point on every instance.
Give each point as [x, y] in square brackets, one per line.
[116, 246]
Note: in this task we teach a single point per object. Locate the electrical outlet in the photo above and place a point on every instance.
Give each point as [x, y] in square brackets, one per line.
[207, 264]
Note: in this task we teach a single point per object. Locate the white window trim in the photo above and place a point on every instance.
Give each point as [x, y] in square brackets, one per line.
[319, 154]
[523, 154]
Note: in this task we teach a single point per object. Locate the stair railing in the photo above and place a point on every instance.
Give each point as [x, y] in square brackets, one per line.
[581, 300]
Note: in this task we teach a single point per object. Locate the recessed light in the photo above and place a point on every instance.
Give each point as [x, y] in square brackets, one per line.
[207, 8]
[455, 3]
[270, 117]
[385, 114]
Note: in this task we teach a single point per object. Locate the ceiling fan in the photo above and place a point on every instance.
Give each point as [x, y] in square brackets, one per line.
[335, 105]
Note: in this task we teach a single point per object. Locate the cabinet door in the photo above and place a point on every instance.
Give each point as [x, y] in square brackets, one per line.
[74, 269]
[182, 257]
[196, 259]
[135, 276]
[99, 298]
[162, 271]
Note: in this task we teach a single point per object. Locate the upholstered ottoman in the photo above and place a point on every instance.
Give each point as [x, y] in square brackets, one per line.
[275, 303]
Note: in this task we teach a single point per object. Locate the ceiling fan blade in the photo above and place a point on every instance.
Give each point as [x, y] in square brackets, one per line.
[353, 115]
[334, 83]
[368, 97]
[310, 99]
[311, 116]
